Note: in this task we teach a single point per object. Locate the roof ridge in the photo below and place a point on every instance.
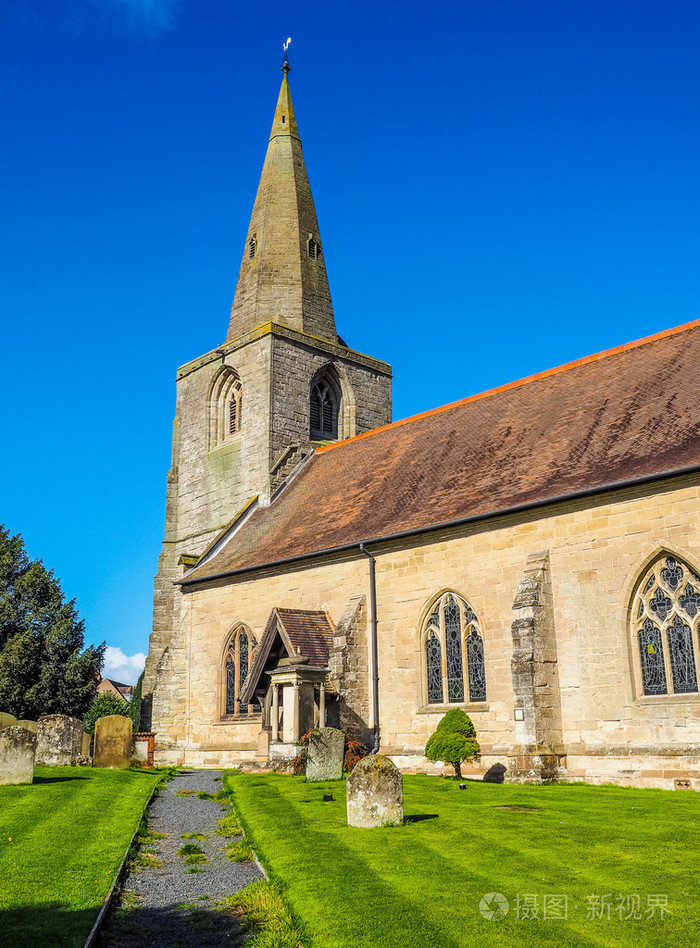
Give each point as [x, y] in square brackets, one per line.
[538, 376]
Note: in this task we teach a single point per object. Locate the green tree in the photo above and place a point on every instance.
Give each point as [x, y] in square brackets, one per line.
[135, 704]
[454, 740]
[103, 705]
[44, 667]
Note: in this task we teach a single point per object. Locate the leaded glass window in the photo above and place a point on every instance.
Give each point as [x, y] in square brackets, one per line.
[667, 615]
[454, 653]
[434, 659]
[237, 665]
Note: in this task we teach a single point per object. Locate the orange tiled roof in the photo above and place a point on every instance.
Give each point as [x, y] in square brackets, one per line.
[626, 413]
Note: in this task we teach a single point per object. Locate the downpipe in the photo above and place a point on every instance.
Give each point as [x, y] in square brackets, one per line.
[373, 644]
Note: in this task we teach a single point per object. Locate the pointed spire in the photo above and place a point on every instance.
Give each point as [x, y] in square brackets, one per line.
[283, 278]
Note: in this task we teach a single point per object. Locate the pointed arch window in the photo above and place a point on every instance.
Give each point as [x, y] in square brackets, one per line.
[665, 623]
[252, 246]
[324, 411]
[237, 662]
[226, 407]
[454, 653]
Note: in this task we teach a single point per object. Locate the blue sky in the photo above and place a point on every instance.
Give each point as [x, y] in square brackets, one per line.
[500, 187]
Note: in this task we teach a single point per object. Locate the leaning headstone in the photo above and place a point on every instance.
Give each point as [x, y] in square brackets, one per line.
[326, 750]
[59, 740]
[7, 720]
[17, 749]
[113, 742]
[28, 726]
[375, 793]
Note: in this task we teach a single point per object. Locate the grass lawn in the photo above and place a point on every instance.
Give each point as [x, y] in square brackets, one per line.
[62, 839]
[420, 884]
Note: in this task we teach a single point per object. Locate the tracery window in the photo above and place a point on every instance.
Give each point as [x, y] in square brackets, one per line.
[237, 663]
[226, 408]
[323, 411]
[454, 652]
[666, 616]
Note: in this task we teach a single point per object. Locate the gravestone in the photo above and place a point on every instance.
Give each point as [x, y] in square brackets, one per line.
[28, 726]
[17, 750]
[375, 793]
[59, 740]
[113, 742]
[85, 749]
[326, 750]
[7, 720]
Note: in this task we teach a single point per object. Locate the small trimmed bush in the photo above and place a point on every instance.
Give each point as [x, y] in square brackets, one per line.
[454, 740]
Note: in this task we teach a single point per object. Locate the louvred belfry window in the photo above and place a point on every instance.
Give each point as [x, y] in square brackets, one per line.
[665, 623]
[454, 653]
[323, 412]
[226, 407]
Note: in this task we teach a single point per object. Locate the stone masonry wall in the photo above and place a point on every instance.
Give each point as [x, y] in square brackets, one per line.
[209, 483]
[597, 548]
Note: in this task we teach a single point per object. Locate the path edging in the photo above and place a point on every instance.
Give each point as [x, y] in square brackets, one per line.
[118, 875]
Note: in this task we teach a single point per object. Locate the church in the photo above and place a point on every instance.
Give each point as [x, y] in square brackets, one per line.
[530, 554]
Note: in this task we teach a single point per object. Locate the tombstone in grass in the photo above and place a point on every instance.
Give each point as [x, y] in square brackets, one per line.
[375, 793]
[17, 750]
[113, 742]
[85, 749]
[324, 760]
[7, 720]
[28, 726]
[59, 740]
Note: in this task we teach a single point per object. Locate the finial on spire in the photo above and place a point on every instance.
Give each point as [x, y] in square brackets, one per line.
[285, 46]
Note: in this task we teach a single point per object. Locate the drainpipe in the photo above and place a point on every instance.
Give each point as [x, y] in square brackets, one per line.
[373, 640]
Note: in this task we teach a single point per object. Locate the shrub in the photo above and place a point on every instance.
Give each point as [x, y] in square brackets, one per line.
[454, 740]
[103, 705]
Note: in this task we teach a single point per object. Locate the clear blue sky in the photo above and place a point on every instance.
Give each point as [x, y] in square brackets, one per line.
[501, 187]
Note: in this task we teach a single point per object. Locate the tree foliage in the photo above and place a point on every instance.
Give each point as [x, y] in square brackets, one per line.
[103, 705]
[44, 668]
[454, 740]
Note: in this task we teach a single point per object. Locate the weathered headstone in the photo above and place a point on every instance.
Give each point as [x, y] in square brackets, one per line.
[28, 726]
[7, 720]
[59, 740]
[17, 750]
[375, 793]
[113, 742]
[85, 749]
[326, 750]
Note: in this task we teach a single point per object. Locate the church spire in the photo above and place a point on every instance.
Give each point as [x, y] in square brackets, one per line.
[283, 278]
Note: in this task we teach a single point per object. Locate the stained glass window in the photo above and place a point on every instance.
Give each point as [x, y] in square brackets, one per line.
[667, 615]
[237, 666]
[652, 657]
[475, 662]
[434, 658]
[680, 653]
[452, 636]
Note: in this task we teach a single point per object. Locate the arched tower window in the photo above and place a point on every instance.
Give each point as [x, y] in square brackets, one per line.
[454, 652]
[313, 248]
[226, 407]
[665, 620]
[237, 662]
[324, 410]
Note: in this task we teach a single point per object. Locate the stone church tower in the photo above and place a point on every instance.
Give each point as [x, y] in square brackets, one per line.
[250, 411]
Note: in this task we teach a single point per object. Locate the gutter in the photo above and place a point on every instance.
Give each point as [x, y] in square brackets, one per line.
[373, 640]
[418, 531]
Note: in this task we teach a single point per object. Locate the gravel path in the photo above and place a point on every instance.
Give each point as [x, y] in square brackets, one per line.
[152, 908]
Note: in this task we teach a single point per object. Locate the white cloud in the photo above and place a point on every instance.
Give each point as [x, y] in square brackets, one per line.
[121, 667]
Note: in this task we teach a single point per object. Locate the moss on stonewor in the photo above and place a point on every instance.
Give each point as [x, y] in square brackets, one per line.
[454, 740]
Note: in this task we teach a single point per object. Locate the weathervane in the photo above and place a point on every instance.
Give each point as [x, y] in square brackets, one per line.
[285, 46]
